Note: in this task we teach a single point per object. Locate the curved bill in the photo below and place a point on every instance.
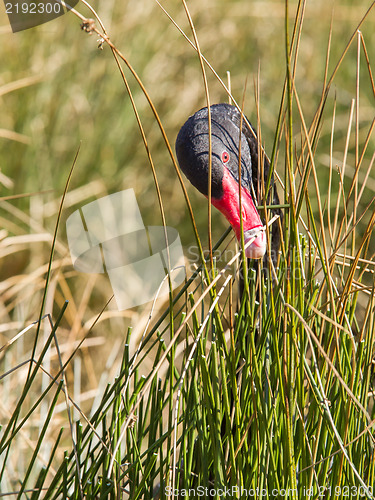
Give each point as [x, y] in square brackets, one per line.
[229, 206]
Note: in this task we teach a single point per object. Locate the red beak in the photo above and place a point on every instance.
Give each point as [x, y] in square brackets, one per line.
[229, 206]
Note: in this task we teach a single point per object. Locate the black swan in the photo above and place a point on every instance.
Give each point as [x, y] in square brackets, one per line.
[192, 148]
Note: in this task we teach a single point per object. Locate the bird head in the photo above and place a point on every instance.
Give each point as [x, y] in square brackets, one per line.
[230, 183]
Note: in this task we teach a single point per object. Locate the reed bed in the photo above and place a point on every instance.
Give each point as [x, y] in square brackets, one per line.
[206, 394]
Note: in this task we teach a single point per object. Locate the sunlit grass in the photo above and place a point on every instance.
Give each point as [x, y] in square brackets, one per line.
[276, 393]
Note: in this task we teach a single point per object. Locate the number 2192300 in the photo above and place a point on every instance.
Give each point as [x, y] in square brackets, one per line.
[34, 8]
[345, 491]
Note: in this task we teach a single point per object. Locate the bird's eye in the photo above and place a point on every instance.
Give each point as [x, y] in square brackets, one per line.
[225, 156]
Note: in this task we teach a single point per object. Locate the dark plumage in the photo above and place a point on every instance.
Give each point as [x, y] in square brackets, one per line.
[192, 148]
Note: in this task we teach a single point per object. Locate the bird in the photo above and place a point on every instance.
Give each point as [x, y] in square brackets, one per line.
[229, 184]
[238, 172]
